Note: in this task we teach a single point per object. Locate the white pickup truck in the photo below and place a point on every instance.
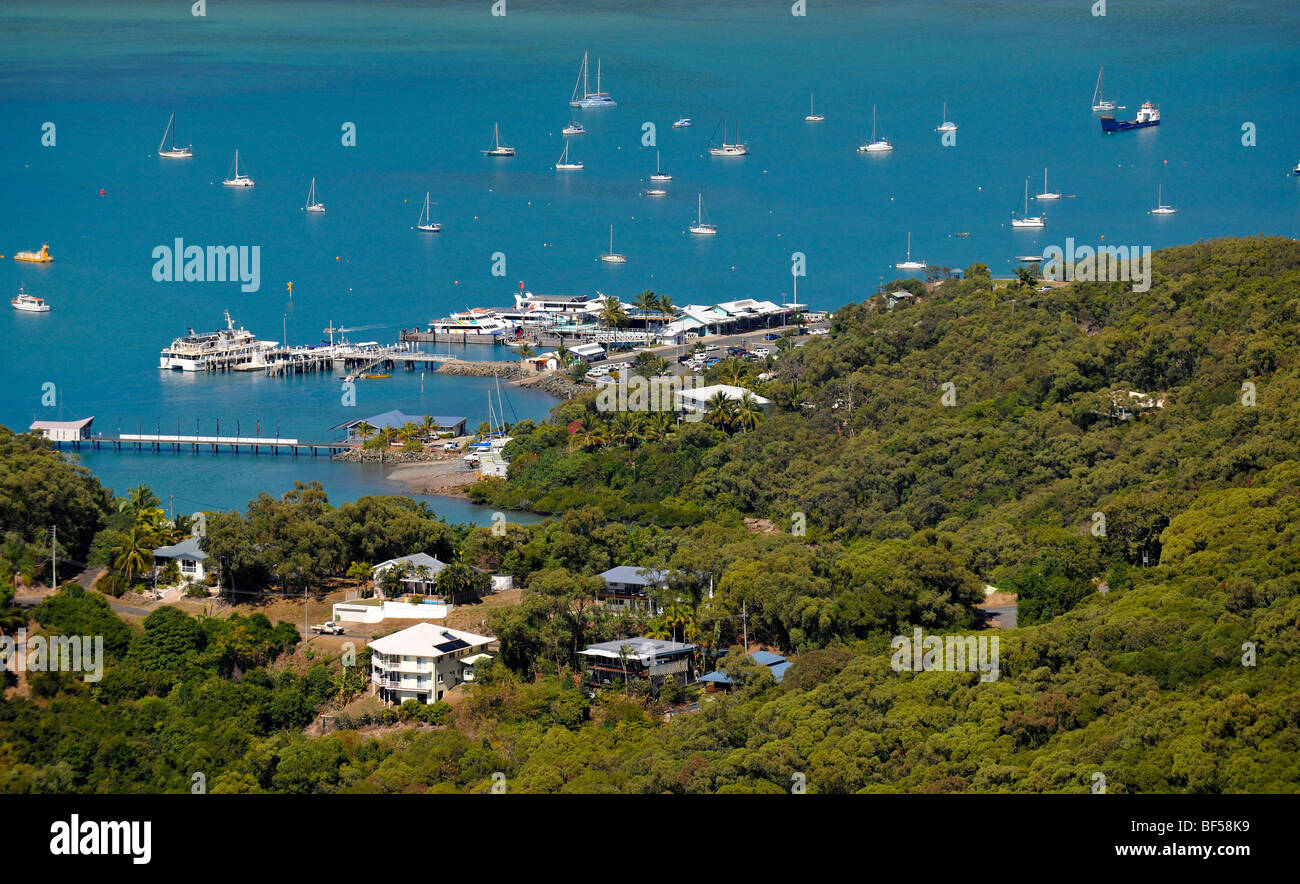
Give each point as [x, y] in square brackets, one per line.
[329, 627]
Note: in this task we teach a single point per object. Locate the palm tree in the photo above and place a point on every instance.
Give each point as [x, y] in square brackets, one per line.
[733, 372]
[410, 430]
[577, 372]
[563, 355]
[525, 351]
[612, 314]
[428, 425]
[660, 426]
[423, 572]
[718, 410]
[647, 302]
[364, 430]
[666, 305]
[134, 555]
[1024, 277]
[748, 412]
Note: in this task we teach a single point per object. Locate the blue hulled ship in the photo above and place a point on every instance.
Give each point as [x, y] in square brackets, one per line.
[1148, 115]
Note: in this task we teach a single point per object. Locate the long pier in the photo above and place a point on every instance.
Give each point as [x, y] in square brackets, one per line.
[195, 444]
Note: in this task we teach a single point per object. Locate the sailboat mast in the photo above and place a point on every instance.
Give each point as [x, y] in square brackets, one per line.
[586, 88]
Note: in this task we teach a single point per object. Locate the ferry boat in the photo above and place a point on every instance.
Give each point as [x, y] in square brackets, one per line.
[813, 116]
[312, 205]
[426, 223]
[563, 164]
[1027, 220]
[683, 123]
[173, 152]
[229, 347]
[729, 149]
[237, 180]
[702, 227]
[574, 129]
[875, 146]
[659, 175]
[945, 125]
[479, 324]
[589, 98]
[41, 256]
[1148, 115]
[909, 264]
[565, 305]
[498, 149]
[29, 303]
[612, 257]
[1047, 194]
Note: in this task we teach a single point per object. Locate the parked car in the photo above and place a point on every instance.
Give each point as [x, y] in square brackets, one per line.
[711, 347]
[762, 352]
[329, 627]
[771, 336]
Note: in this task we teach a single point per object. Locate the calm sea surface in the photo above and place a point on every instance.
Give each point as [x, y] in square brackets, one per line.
[423, 84]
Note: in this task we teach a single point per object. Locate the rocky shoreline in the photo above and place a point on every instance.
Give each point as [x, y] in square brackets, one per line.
[503, 370]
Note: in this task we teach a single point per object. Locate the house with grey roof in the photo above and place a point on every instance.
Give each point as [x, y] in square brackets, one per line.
[396, 419]
[628, 588]
[419, 575]
[191, 560]
[639, 657]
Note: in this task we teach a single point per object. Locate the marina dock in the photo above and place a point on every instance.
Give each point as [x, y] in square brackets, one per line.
[197, 444]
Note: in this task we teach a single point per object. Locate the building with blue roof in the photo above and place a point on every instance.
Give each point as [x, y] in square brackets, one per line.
[718, 680]
[396, 419]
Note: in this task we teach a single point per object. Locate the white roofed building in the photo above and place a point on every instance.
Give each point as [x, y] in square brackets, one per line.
[698, 398]
[63, 431]
[424, 661]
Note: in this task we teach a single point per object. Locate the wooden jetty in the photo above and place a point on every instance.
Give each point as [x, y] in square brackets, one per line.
[197, 444]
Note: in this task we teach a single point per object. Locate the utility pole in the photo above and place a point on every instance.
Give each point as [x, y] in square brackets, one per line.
[54, 556]
[744, 619]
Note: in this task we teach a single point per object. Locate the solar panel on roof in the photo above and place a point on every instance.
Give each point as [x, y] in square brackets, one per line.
[453, 645]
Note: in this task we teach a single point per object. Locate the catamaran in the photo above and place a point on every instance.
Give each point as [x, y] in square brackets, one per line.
[563, 164]
[498, 149]
[589, 98]
[173, 152]
[701, 226]
[574, 128]
[613, 257]
[29, 303]
[945, 125]
[728, 149]
[909, 264]
[875, 146]
[813, 116]
[236, 179]
[1161, 208]
[1099, 102]
[659, 175]
[312, 204]
[426, 223]
[1027, 220]
[1046, 194]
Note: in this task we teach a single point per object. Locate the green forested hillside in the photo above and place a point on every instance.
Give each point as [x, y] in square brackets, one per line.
[1160, 653]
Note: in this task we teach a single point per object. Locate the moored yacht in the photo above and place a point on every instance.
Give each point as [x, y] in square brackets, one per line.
[612, 257]
[1027, 220]
[1161, 208]
[589, 98]
[564, 165]
[236, 179]
[498, 149]
[29, 303]
[875, 145]
[313, 205]
[659, 174]
[702, 227]
[813, 116]
[726, 148]
[909, 264]
[682, 123]
[1046, 194]
[946, 125]
[173, 152]
[574, 128]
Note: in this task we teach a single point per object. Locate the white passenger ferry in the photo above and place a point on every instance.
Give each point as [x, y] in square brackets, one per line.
[228, 348]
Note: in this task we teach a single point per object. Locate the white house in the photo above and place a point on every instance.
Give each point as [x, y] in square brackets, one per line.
[698, 398]
[629, 589]
[423, 662]
[415, 581]
[188, 557]
[63, 431]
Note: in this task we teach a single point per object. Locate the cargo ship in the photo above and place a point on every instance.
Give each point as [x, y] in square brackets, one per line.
[39, 257]
[1148, 115]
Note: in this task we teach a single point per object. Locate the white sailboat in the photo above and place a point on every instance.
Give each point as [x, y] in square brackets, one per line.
[875, 145]
[1027, 220]
[498, 149]
[612, 257]
[589, 98]
[426, 222]
[312, 204]
[236, 179]
[909, 264]
[1099, 102]
[563, 164]
[659, 174]
[1047, 194]
[702, 227]
[173, 152]
[1161, 208]
[729, 149]
[813, 116]
[946, 125]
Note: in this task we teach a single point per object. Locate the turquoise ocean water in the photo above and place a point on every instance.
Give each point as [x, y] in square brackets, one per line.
[424, 82]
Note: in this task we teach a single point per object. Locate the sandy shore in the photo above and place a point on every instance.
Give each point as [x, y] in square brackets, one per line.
[446, 477]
